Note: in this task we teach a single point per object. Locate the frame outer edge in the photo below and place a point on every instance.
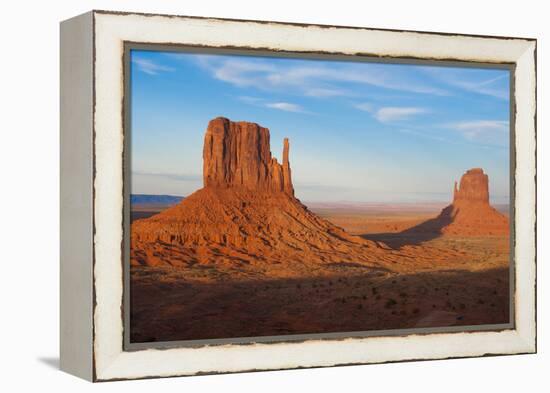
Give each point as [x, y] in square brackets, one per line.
[76, 196]
[526, 199]
[523, 340]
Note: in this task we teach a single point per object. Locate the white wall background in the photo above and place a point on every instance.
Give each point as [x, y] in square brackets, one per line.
[29, 183]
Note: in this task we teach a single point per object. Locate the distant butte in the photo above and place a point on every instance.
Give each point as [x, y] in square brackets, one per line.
[470, 213]
[474, 189]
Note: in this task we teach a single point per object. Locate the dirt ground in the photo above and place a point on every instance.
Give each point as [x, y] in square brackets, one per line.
[437, 281]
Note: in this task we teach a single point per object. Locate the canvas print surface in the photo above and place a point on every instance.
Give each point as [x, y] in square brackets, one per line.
[276, 196]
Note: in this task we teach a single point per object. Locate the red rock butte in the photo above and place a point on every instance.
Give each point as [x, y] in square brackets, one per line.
[470, 213]
[245, 213]
[238, 154]
[474, 188]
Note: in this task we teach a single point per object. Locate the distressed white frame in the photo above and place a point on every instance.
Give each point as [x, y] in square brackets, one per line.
[111, 30]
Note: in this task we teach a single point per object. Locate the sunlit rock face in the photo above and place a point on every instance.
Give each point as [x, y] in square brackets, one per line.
[474, 188]
[471, 214]
[237, 154]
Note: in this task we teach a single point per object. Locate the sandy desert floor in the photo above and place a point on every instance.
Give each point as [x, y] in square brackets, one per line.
[457, 281]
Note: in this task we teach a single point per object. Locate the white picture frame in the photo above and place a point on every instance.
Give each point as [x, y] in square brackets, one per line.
[92, 189]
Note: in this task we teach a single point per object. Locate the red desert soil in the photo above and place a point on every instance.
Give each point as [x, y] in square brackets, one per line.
[243, 257]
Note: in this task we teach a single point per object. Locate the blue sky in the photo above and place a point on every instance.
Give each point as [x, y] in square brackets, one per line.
[359, 131]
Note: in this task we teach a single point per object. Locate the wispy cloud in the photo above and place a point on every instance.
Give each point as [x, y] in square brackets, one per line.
[364, 106]
[310, 79]
[492, 83]
[279, 105]
[492, 132]
[150, 67]
[252, 100]
[389, 114]
[245, 73]
[285, 106]
[393, 113]
[486, 87]
[323, 92]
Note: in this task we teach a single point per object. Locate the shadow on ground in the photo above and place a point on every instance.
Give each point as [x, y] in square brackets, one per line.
[52, 362]
[423, 232]
[167, 309]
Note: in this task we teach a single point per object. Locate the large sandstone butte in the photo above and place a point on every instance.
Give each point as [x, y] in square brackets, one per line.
[470, 213]
[245, 213]
[238, 154]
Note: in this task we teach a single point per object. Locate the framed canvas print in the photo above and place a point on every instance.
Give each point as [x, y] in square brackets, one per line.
[246, 195]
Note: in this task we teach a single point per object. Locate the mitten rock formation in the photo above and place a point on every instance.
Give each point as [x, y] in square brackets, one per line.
[470, 213]
[474, 188]
[245, 213]
[238, 154]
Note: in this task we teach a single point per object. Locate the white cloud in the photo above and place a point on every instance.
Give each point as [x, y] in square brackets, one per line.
[365, 106]
[492, 132]
[485, 87]
[285, 106]
[312, 79]
[469, 80]
[391, 114]
[326, 92]
[252, 100]
[149, 66]
[243, 73]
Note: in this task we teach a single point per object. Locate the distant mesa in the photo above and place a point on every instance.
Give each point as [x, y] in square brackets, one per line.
[245, 213]
[470, 213]
[147, 199]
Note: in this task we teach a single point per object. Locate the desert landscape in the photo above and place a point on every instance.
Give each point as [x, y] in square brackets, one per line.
[243, 257]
